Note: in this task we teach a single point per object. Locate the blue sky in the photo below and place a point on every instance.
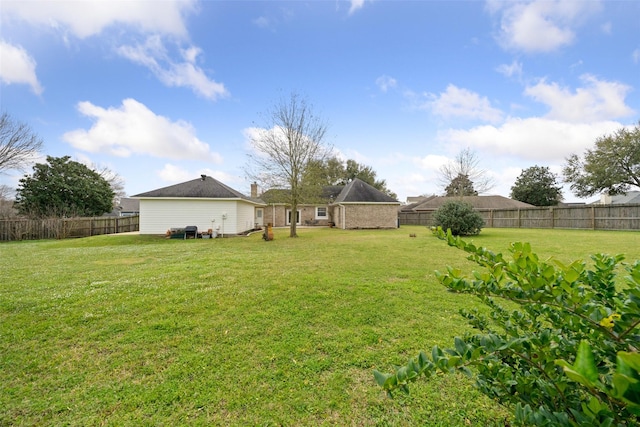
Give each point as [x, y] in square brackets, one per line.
[163, 91]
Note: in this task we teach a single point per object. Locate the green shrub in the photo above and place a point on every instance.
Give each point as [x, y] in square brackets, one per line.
[459, 217]
[521, 356]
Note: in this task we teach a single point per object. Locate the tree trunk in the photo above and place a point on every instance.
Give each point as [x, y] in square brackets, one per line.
[293, 221]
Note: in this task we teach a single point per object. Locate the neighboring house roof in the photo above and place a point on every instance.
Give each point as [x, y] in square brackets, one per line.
[419, 200]
[128, 204]
[204, 187]
[358, 191]
[478, 202]
[631, 197]
[416, 199]
[282, 195]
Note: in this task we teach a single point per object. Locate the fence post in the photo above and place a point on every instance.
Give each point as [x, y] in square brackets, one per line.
[593, 217]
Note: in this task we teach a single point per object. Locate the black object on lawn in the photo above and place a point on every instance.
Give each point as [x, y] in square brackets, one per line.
[190, 231]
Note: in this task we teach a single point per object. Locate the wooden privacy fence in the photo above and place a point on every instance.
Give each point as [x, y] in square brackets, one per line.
[62, 228]
[593, 217]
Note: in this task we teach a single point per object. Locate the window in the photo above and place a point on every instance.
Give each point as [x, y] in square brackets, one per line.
[321, 212]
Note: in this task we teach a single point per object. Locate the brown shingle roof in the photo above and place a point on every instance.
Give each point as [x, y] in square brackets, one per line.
[203, 187]
[358, 191]
[478, 202]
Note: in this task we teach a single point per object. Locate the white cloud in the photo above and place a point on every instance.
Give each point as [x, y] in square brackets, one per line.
[597, 100]
[531, 139]
[173, 174]
[153, 55]
[274, 17]
[412, 184]
[17, 66]
[256, 137]
[510, 70]
[385, 83]
[459, 102]
[262, 22]
[540, 25]
[88, 18]
[84, 19]
[635, 56]
[134, 129]
[432, 162]
[355, 5]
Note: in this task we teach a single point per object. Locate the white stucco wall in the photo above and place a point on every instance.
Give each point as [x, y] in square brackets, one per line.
[157, 215]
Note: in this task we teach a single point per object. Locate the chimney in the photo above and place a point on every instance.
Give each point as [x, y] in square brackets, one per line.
[203, 177]
[254, 190]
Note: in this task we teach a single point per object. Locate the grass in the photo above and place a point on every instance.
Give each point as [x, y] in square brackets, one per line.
[140, 330]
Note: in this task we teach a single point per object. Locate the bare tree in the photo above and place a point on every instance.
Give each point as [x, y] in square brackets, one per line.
[5, 192]
[113, 178]
[281, 152]
[18, 144]
[466, 165]
[6, 202]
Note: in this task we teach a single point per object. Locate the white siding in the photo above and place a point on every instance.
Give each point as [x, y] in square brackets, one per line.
[246, 216]
[159, 215]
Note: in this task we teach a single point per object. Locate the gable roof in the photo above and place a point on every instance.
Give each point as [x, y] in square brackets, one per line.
[411, 206]
[619, 199]
[478, 202]
[128, 204]
[204, 187]
[283, 195]
[358, 191]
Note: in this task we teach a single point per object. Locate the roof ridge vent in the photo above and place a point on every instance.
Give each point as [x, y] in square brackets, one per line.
[203, 177]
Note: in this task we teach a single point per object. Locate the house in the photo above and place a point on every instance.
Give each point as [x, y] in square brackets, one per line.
[204, 202]
[355, 205]
[478, 203]
[126, 207]
[631, 197]
[278, 211]
[360, 205]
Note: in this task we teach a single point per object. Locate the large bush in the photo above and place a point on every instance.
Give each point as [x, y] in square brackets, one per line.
[568, 355]
[64, 188]
[459, 217]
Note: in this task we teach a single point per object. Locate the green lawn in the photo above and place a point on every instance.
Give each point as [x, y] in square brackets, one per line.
[139, 330]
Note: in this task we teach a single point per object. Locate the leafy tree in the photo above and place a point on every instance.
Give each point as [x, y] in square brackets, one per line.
[18, 144]
[286, 149]
[567, 355]
[612, 166]
[459, 217]
[63, 188]
[333, 171]
[537, 186]
[466, 164]
[460, 186]
[329, 171]
[365, 173]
